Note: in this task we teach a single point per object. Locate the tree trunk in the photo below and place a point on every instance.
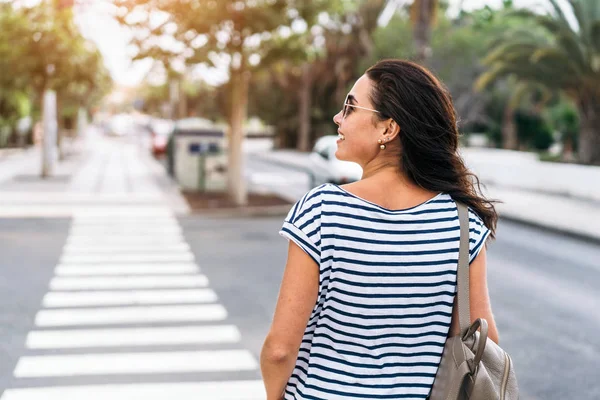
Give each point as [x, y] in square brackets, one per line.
[239, 108]
[510, 140]
[182, 100]
[342, 65]
[422, 17]
[567, 150]
[304, 99]
[589, 136]
[173, 84]
[60, 127]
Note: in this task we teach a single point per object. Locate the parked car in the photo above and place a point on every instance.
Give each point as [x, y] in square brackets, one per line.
[160, 131]
[327, 168]
[120, 125]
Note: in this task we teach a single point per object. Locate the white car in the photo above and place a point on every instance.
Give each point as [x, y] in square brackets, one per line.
[327, 168]
[120, 125]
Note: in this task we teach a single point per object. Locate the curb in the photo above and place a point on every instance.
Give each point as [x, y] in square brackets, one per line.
[6, 154]
[552, 229]
[244, 212]
[167, 185]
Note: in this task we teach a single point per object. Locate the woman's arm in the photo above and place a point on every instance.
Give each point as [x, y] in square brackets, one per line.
[479, 298]
[297, 298]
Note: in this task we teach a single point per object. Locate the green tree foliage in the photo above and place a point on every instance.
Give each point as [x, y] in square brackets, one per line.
[565, 119]
[41, 48]
[311, 85]
[533, 131]
[204, 31]
[457, 47]
[566, 58]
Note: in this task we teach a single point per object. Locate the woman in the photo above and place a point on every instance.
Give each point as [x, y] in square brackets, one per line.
[366, 301]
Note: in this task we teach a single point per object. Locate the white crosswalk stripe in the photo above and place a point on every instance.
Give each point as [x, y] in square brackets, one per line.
[131, 315]
[128, 363]
[122, 248]
[127, 282]
[125, 269]
[133, 258]
[245, 390]
[56, 339]
[128, 299]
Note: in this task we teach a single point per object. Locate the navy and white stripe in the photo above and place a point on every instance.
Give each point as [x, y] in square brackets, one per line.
[387, 286]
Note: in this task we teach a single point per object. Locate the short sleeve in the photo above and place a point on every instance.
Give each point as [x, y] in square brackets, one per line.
[478, 233]
[303, 224]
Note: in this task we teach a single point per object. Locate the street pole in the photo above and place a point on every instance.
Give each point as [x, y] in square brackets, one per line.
[49, 133]
[81, 122]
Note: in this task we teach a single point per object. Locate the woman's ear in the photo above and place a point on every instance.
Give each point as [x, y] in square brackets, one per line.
[393, 129]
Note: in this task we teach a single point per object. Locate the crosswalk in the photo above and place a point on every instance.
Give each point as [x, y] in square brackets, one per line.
[129, 315]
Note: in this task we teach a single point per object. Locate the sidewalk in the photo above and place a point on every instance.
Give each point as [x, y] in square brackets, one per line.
[98, 172]
[568, 215]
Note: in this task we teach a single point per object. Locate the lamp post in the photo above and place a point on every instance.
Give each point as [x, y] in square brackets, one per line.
[49, 127]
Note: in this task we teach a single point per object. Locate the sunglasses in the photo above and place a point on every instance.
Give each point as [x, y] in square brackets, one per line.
[346, 107]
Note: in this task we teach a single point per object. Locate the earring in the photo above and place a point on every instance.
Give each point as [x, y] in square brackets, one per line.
[382, 147]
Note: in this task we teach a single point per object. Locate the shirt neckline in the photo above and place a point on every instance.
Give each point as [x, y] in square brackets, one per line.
[384, 208]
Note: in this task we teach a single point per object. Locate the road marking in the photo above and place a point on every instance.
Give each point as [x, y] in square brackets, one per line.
[123, 221]
[129, 213]
[113, 298]
[128, 279]
[136, 240]
[128, 282]
[126, 229]
[126, 258]
[134, 363]
[125, 269]
[226, 390]
[132, 337]
[130, 315]
[123, 248]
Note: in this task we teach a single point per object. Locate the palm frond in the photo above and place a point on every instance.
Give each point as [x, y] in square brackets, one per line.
[511, 50]
[490, 76]
[582, 21]
[559, 13]
[595, 35]
[556, 59]
[521, 13]
[522, 89]
[552, 25]
[572, 48]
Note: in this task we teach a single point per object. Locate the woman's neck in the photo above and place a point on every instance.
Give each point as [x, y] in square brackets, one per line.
[388, 176]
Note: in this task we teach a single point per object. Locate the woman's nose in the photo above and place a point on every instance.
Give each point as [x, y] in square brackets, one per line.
[337, 118]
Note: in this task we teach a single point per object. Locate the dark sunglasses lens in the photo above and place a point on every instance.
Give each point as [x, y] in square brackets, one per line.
[345, 111]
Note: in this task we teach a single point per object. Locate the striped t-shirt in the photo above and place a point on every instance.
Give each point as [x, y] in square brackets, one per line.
[386, 290]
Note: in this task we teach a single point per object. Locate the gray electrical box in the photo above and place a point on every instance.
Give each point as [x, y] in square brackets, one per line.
[200, 155]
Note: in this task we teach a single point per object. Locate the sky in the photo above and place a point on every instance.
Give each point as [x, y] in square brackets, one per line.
[95, 22]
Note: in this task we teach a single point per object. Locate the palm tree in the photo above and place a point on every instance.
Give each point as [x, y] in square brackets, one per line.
[422, 17]
[559, 55]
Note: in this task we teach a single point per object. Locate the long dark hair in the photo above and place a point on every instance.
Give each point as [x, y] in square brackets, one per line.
[413, 97]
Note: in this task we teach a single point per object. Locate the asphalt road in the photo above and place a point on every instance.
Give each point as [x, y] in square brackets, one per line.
[29, 250]
[543, 288]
